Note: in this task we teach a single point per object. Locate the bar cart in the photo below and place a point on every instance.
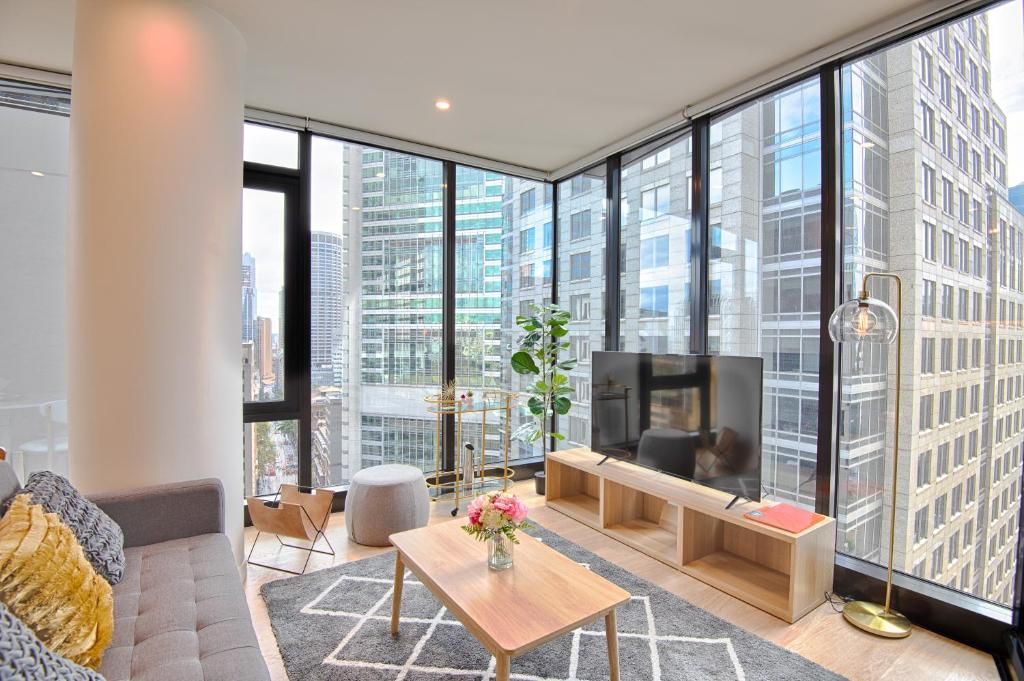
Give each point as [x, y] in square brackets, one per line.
[472, 474]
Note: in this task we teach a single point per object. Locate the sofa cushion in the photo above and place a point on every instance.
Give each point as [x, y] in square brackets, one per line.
[101, 538]
[180, 615]
[23, 655]
[48, 584]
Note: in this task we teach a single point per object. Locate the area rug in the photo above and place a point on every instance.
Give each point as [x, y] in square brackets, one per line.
[334, 625]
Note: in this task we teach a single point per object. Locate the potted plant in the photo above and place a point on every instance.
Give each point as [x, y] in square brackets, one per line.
[538, 355]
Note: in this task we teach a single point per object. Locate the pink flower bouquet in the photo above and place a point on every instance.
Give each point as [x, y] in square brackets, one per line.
[496, 514]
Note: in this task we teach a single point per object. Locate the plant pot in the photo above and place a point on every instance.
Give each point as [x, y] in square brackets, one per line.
[540, 482]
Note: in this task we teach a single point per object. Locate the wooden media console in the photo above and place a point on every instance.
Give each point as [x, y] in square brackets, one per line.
[686, 525]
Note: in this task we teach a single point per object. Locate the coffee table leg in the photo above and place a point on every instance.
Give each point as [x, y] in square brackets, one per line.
[396, 599]
[504, 664]
[613, 646]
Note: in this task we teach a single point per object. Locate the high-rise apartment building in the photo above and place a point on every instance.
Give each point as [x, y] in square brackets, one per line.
[765, 270]
[376, 326]
[582, 221]
[265, 352]
[248, 298]
[927, 199]
[327, 308]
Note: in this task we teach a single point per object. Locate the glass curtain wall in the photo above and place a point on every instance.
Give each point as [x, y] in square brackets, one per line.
[933, 192]
[582, 217]
[764, 284]
[654, 252]
[33, 233]
[376, 279]
[503, 250]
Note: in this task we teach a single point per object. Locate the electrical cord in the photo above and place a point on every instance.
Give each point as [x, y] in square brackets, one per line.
[836, 601]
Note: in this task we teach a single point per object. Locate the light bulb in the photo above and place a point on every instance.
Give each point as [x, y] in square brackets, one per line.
[864, 322]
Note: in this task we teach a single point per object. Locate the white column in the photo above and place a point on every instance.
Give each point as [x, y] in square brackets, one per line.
[154, 384]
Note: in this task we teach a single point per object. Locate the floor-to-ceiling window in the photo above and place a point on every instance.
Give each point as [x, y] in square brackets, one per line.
[503, 262]
[933, 166]
[33, 232]
[582, 217]
[376, 308]
[270, 432]
[654, 253]
[764, 250]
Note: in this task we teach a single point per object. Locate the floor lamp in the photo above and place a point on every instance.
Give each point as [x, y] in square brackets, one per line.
[867, 319]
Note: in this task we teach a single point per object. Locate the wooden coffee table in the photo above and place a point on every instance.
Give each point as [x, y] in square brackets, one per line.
[511, 612]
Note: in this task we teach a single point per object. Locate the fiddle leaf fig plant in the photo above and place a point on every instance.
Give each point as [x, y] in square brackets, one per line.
[544, 330]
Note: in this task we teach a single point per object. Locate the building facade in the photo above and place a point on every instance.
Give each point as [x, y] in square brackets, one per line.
[926, 198]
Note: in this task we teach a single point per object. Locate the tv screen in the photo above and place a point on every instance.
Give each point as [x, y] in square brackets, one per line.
[693, 416]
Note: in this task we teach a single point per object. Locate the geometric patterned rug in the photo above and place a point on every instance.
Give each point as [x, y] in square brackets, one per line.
[334, 624]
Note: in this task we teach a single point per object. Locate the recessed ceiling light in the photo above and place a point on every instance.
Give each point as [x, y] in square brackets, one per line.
[442, 105]
[355, 208]
[868, 145]
[38, 174]
[380, 174]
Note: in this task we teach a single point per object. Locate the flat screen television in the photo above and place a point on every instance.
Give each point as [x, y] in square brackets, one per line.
[697, 417]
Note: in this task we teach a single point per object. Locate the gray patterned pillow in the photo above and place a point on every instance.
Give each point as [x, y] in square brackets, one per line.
[23, 657]
[101, 538]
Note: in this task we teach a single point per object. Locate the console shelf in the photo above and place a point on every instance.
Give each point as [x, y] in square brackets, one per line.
[687, 526]
[579, 506]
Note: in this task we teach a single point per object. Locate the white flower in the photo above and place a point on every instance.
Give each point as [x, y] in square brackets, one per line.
[492, 519]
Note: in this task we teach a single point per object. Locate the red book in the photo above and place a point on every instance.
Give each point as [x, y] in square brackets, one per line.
[784, 517]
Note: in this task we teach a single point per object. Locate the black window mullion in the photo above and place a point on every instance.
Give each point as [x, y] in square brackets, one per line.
[613, 241]
[699, 265]
[298, 310]
[448, 308]
[831, 288]
[553, 444]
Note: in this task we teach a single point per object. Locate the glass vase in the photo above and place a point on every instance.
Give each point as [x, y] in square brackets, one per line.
[499, 552]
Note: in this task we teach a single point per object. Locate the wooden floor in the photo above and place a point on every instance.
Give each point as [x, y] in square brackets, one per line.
[821, 636]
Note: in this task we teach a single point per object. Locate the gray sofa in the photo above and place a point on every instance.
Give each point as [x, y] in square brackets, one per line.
[179, 612]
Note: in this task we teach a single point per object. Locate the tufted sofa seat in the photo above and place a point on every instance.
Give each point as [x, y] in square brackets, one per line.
[180, 615]
[179, 611]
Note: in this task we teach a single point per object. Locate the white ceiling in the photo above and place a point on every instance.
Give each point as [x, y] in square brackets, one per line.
[538, 83]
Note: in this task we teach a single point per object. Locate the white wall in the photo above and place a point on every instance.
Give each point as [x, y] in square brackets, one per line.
[154, 268]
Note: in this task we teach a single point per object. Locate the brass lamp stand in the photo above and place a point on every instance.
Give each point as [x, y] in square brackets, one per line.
[868, 319]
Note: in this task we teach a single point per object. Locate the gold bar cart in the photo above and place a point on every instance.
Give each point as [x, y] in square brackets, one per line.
[472, 474]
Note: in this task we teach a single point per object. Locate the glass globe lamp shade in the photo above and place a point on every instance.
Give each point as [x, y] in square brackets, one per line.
[864, 319]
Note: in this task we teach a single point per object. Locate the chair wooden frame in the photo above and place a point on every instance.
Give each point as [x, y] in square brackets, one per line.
[297, 512]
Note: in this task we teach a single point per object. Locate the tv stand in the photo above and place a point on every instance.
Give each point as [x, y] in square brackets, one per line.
[689, 527]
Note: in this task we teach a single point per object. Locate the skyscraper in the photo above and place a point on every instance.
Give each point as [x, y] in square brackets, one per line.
[765, 270]
[265, 352]
[327, 307]
[929, 201]
[400, 281]
[248, 298]
[955, 240]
